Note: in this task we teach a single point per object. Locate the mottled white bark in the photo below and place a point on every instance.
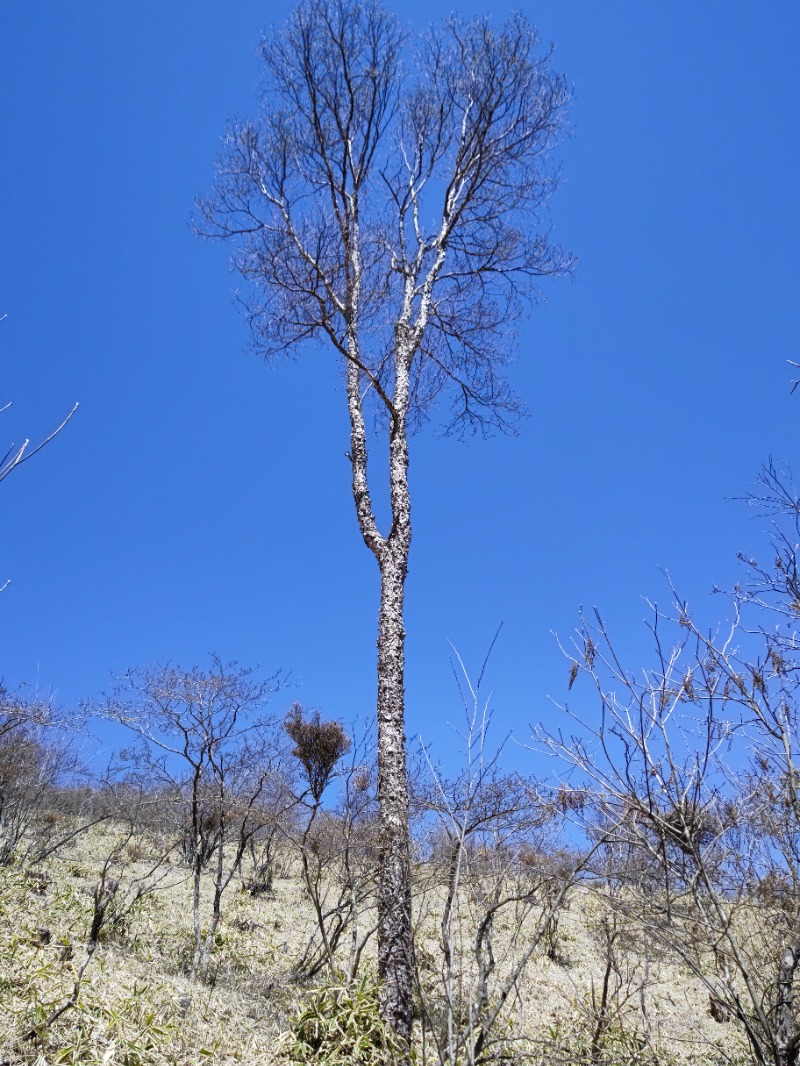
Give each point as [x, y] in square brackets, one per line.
[395, 955]
[395, 952]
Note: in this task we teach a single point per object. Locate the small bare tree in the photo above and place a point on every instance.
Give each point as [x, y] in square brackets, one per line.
[202, 736]
[498, 860]
[391, 210]
[617, 1013]
[695, 765]
[42, 806]
[269, 857]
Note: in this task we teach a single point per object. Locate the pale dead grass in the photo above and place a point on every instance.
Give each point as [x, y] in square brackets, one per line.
[553, 998]
[138, 1008]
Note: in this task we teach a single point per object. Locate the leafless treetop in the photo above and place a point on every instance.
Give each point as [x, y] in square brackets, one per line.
[387, 199]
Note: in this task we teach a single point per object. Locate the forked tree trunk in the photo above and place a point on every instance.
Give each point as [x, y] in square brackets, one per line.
[395, 951]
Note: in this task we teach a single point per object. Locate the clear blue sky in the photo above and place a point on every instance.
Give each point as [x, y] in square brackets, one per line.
[200, 502]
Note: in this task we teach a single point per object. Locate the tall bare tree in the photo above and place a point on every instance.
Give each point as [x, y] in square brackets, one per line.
[386, 203]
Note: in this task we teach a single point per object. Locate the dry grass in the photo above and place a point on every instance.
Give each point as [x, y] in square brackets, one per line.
[136, 1006]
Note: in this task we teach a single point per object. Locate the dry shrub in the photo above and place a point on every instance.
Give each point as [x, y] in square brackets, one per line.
[318, 745]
